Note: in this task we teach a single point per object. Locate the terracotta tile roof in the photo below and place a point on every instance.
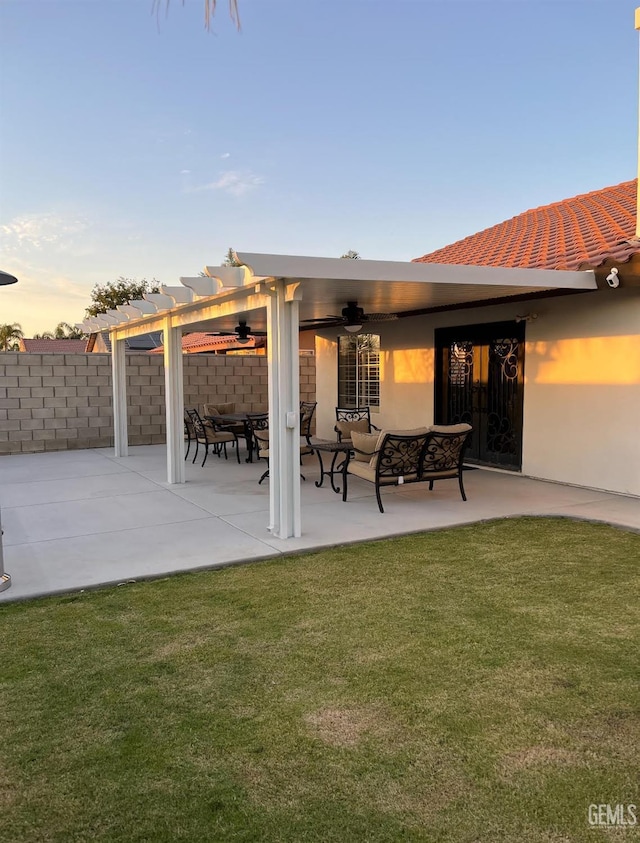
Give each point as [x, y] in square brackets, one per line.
[200, 342]
[577, 233]
[54, 346]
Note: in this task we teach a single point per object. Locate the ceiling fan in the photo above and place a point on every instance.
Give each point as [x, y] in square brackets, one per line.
[352, 318]
[242, 332]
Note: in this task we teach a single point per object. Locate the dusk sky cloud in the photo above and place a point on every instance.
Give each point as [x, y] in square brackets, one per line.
[392, 129]
[234, 182]
[40, 231]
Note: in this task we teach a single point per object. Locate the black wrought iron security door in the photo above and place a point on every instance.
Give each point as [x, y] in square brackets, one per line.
[479, 380]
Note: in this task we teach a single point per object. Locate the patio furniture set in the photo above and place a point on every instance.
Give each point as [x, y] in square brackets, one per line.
[381, 457]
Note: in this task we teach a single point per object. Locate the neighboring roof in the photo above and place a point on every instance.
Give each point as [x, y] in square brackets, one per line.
[578, 233]
[199, 342]
[54, 346]
[143, 342]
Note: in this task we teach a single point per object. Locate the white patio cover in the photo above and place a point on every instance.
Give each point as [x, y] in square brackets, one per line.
[273, 293]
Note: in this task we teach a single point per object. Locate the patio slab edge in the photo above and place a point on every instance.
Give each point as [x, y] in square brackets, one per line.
[7, 597]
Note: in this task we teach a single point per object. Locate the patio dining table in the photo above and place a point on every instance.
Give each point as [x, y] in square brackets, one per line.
[235, 418]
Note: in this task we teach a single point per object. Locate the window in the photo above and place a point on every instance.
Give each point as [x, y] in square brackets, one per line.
[359, 370]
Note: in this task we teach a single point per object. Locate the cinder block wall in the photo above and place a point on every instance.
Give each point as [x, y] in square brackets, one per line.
[52, 402]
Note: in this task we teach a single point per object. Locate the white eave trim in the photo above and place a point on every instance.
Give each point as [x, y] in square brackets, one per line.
[226, 290]
[300, 268]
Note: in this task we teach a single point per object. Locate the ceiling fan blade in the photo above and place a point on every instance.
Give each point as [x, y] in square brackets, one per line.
[380, 317]
[324, 320]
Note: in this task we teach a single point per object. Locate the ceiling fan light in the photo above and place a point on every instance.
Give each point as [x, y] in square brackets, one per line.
[353, 329]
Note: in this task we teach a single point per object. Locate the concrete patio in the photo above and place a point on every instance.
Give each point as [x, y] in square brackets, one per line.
[80, 519]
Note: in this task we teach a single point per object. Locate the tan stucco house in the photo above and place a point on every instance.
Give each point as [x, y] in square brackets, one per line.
[550, 380]
[530, 331]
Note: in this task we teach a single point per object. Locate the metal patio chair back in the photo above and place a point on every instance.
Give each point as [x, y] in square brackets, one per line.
[349, 419]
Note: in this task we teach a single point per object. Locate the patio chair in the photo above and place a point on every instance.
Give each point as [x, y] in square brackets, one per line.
[350, 419]
[208, 435]
[189, 434]
[259, 423]
[307, 410]
[219, 409]
[211, 413]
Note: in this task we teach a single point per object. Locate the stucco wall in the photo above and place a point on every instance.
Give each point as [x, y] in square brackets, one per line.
[59, 401]
[582, 392]
[582, 383]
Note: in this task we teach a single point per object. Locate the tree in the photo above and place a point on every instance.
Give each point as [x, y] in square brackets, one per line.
[355, 256]
[109, 296]
[65, 331]
[10, 335]
[209, 10]
[230, 259]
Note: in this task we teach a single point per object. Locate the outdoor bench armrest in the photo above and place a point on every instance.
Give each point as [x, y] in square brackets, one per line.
[353, 451]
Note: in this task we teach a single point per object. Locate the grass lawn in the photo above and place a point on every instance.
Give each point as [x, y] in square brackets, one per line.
[475, 684]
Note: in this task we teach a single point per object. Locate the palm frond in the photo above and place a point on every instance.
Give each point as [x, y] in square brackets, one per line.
[209, 11]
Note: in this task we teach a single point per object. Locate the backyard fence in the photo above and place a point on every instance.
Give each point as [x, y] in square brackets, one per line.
[53, 402]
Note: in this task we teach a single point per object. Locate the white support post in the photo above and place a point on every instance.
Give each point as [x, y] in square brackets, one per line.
[119, 383]
[174, 401]
[292, 319]
[273, 341]
[284, 412]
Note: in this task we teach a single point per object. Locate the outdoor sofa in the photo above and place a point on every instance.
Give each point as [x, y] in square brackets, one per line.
[395, 457]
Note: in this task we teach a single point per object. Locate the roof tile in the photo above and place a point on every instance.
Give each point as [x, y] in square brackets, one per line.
[44, 346]
[576, 233]
[201, 342]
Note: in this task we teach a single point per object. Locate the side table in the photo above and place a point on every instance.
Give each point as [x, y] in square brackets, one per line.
[328, 446]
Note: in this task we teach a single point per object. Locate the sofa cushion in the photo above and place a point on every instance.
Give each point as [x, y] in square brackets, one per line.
[440, 474]
[364, 445]
[262, 439]
[365, 472]
[346, 428]
[221, 436]
[449, 428]
[229, 407]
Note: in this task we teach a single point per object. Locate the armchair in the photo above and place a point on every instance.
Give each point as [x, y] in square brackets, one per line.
[353, 419]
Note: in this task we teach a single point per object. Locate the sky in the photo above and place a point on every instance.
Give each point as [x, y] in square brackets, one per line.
[140, 145]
